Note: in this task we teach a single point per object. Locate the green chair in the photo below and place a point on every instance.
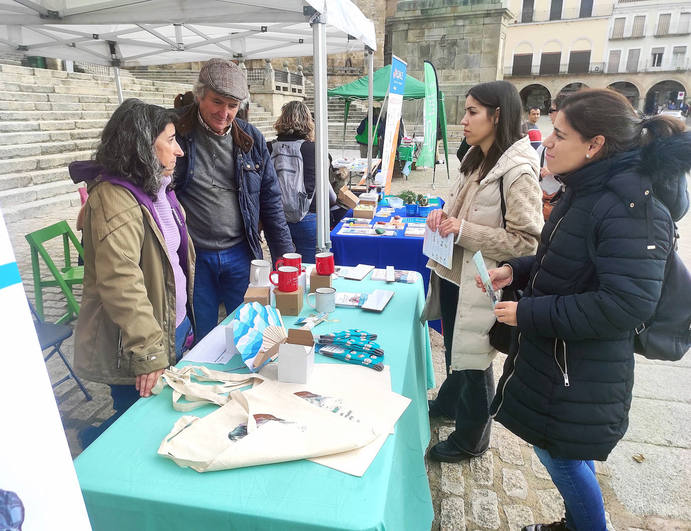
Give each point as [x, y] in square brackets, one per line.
[63, 277]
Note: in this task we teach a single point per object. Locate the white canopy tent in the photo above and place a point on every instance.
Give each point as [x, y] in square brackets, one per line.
[147, 32]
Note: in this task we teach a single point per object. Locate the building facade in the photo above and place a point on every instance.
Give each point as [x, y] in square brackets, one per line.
[637, 47]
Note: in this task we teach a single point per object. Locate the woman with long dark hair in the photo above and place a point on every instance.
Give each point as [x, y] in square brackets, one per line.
[597, 276]
[139, 260]
[495, 208]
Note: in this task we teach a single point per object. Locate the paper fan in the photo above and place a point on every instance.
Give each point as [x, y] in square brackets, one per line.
[273, 335]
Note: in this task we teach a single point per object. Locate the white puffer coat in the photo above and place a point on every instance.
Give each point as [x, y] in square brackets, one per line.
[483, 229]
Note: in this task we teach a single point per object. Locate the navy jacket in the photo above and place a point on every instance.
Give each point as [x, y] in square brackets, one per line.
[259, 193]
[597, 275]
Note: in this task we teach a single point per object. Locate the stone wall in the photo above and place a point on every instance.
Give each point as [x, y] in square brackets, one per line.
[463, 39]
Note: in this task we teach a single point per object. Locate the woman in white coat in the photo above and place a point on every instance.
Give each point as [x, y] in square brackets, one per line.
[500, 161]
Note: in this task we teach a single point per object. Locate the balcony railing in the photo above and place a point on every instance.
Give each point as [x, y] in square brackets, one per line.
[566, 14]
[601, 68]
[277, 80]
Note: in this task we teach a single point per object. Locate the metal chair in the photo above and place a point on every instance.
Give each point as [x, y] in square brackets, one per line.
[51, 336]
[64, 277]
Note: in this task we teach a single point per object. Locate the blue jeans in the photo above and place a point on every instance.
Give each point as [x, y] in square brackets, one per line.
[304, 235]
[220, 276]
[575, 479]
[124, 396]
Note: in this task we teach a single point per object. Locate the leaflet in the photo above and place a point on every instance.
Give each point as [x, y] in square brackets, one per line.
[437, 248]
[484, 276]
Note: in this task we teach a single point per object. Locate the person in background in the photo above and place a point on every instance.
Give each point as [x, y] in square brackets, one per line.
[377, 137]
[183, 100]
[597, 275]
[498, 173]
[139, 260]
[227, 184]
[295, 125]
[531, 129]
[462, 150]
[551, 187]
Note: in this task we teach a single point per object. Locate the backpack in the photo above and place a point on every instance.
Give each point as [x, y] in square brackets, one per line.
[287, 161]
[667, 334]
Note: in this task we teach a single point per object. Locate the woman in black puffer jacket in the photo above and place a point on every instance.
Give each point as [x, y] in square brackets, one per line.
[597, 275]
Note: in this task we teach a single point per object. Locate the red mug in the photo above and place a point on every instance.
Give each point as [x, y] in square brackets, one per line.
[325, 263]
[290, 259]
[287, 278]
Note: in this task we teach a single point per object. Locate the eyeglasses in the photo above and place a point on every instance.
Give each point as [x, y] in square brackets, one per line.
[551, 111]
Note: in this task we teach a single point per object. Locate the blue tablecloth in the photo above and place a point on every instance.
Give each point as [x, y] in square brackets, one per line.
[126, 485]
[402, 252]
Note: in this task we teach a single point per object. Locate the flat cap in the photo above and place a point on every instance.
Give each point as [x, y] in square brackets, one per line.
[224, 77]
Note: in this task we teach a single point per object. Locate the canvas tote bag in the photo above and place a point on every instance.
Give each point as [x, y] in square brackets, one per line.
[186, 383]
[260, 426]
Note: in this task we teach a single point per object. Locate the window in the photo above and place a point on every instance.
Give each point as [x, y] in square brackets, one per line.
[663, 24]
[549, 63]
[656, 57]
[638, 26]
[522, 64]
[684, 23]
[579, 62]
[618, 28]
[555, 10]
[678, 56]
[614, 60]
[632, 60]
[527, 11]
[586, 9]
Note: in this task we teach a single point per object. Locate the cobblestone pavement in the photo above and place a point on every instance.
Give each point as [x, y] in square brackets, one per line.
[507, 487]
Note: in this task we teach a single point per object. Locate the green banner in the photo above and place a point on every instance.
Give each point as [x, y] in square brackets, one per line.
[442, 128]
[427, 156]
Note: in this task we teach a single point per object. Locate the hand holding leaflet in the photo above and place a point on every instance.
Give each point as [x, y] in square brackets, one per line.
[484, 276]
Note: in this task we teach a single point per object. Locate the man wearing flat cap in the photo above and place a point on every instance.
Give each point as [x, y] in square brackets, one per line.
[227, 184]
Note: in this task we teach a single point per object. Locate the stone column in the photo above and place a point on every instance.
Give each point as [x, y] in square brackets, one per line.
[268, 75]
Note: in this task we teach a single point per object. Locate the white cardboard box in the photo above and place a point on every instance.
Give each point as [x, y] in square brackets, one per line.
[296, 357]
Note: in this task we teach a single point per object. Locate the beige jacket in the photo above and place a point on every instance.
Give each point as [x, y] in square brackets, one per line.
[126, 324]
[479, 207]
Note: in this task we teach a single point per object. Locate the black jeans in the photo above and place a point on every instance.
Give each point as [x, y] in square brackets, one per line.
[464, 395]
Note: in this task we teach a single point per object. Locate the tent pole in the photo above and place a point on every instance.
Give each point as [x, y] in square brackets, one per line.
[118, 84]
[322, 132]
[370, 101]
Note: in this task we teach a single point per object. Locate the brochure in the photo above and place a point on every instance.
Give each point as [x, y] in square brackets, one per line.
[400, 275]
[375, 301]
[484, 276]
[437, 248]
[359, 272]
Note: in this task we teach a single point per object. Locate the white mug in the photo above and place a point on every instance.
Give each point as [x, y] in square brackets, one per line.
[325, 300]
[259, 273]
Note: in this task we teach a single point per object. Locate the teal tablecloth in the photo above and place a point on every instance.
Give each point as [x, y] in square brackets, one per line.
[126, 485]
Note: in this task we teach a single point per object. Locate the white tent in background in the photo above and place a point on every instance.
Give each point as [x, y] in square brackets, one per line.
[147, 32]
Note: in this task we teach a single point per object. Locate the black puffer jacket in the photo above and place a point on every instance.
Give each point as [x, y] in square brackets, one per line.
[597, 275]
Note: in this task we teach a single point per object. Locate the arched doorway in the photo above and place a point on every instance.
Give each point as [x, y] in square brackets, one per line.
[628, 90]
[535, 95]
[661, 94]
[573, 87]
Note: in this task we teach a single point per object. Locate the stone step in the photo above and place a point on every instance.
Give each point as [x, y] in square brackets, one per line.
[18, 196]
[6, 105]
[19, 180]
[43, 162]
[41, 149]
[52, 115]
[38, 208]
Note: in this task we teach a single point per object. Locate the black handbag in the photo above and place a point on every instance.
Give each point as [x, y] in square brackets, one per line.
[501, 334]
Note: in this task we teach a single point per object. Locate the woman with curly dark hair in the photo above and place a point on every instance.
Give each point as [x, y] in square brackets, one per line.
[139, 260]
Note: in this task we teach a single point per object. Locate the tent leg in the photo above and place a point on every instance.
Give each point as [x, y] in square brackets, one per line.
[370, 102]
[321, 133]
[118, 84]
